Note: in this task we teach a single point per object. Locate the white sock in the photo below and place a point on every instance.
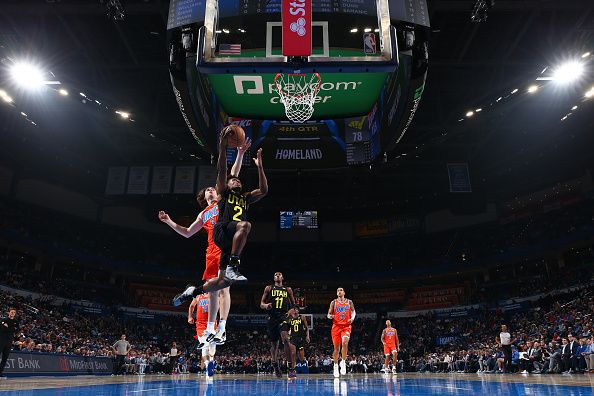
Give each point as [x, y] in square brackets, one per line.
[222, 324]
[210, 327]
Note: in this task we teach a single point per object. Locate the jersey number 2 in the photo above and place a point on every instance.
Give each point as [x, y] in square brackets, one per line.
[238, 212]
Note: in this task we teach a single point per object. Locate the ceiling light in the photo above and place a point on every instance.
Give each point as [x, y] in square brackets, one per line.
[532, 88]
[226, 31]
[6, 98]
[27, 75]
[123, 114]
[63, 92]
[478, 110]
[23, 114]
[354, 30]
[574, 108]
[568, 72]
[586, 54]
[590, 93]
[367, 30]
[514, 91]
[469, 113]
[498, 99]
[83, 95]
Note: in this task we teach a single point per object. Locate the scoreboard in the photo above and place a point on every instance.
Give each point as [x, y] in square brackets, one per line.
[290, 220]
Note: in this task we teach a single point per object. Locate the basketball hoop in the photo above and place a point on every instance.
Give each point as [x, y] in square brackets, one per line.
[297, 94]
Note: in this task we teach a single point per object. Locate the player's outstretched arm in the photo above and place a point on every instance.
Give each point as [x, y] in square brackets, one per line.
[331, 310]
[183, 231]
[222, 161]
[382, 337]
[263, 301]
[262, 189]
[236, 168]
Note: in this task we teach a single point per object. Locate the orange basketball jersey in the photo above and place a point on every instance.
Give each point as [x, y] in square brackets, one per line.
[342, 313]
[202, 310]
[390, 336]
[210, 215]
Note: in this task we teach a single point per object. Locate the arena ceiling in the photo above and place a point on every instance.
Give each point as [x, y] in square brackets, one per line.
[124, 63]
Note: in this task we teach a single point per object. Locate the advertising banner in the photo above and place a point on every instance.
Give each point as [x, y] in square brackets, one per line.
[296, 16]
[31, 363]
[254, 96]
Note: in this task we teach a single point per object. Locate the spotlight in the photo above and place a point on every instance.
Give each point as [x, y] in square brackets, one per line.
[470, 113]
[123, 114]
[586, 54]
[63, 92]
[27, 75]
[478, 110]
[590, 93]
[6, 98]
[532, 88]
[367, 30]
[354, 30]
[568, 72]
[574, 108]
[514, 91]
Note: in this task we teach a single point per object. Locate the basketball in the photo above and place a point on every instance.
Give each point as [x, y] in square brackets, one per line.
[236, 137]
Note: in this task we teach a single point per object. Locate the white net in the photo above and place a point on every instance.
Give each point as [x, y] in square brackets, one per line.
[297, 93]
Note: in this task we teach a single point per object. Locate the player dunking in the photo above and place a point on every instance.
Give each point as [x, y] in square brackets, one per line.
[277, 299]
[201, 305]
[298, 335]
[391, 344]
[342, 313]
[232, 228]
[207, 218]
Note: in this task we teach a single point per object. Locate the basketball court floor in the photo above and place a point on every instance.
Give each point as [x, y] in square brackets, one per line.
[323, 385]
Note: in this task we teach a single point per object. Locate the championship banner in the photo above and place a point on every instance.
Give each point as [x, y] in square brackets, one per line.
[138, 180]
[116, 180]
[31, 363]
[184, 179]
[207, 176]
[296, 19]
[459, 178]
[372, 228]
[161, 183]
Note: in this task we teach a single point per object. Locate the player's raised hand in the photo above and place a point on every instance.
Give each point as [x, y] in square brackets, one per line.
[225, 132]
[164, 217]
[258, 159]
[191, 320]
[268, 306]
[245, 146]
[330, 316]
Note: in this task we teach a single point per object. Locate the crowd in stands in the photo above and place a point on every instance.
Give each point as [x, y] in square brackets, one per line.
[540, 333]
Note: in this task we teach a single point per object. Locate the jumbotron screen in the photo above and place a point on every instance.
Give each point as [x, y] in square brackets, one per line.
[290, 220]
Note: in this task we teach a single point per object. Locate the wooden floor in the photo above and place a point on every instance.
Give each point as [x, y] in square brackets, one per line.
[38, 383]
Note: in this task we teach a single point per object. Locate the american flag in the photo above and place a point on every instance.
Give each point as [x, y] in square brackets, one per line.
[229, 49]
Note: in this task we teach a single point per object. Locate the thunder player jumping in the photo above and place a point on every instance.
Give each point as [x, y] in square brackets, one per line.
[342, 312]
[201, 305]
[207, 218]
[391, 344]
[231, 230]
